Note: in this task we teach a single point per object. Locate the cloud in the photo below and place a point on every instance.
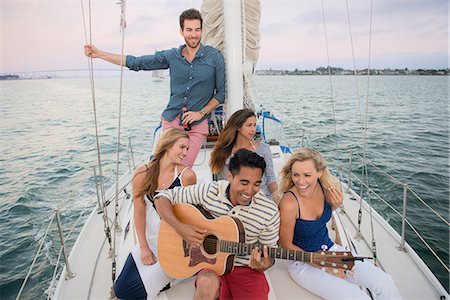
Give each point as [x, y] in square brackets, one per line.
[39, 34]
[413, 32]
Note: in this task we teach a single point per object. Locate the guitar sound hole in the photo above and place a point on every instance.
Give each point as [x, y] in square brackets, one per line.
[210, 244]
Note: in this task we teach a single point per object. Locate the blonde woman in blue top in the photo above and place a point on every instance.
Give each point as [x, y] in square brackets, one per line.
[311, 193]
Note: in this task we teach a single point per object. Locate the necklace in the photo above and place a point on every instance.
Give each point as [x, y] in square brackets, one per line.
[166, 179]
[251, 148]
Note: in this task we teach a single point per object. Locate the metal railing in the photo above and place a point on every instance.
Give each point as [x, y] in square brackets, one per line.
[62, 249]
[407, 190]
[130, 156]
[62, 238]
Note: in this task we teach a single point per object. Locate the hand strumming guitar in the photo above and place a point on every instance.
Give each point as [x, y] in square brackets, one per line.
[193, 235]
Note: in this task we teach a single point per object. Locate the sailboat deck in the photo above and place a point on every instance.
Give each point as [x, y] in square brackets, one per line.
[90, 259]
[412, 282]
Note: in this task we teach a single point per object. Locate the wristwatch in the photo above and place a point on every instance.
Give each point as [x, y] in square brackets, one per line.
[203, 111]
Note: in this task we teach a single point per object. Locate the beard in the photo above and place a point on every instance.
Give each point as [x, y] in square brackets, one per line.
[192, 43]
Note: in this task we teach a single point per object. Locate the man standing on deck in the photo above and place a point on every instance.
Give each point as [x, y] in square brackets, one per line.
[239, 197]
[197, 79]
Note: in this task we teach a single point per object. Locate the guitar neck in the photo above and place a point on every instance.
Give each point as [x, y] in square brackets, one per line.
[281, 253]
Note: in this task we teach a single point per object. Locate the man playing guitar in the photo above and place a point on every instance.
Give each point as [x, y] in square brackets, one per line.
[239, 197]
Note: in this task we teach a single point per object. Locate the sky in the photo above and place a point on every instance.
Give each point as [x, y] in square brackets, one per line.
[49, 35]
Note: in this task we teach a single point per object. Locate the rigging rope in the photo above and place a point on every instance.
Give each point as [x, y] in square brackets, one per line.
[363, 127]
[355, 75]
[91, 78]
[329, 77]
[116, 224]
[94, 270]
[364, 170]
[334, 182]
[358, 106]
[106, 224]
[364, 140]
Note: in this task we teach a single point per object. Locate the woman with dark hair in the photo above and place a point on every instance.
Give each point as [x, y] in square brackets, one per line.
[311, 193]
[239, 132]
[142, 276]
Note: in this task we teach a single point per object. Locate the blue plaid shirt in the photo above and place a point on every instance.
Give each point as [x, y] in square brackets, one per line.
[192, 83]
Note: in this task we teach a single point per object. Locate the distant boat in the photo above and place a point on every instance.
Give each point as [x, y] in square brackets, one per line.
[157, 75]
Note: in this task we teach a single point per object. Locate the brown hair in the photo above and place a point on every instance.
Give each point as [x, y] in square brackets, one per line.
[320, 164]
[227, 139]
[190, 14]
[167, 140]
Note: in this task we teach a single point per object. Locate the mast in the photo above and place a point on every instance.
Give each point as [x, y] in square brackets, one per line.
[233, 56]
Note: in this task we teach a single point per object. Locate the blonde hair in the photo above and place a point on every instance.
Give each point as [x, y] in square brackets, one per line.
[227, 139]
[320, 164]
[167, 140]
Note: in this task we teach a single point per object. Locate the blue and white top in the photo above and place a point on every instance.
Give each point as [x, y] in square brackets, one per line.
[192, 83]
[310, 235]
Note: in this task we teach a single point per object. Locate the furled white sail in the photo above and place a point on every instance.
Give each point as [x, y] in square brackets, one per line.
[214, 35]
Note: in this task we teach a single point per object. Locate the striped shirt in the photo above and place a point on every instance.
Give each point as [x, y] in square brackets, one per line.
[261, 219]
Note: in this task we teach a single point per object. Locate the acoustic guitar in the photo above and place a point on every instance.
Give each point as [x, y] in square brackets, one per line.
[225, 239]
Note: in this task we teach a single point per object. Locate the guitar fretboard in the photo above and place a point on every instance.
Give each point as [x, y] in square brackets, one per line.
[246, 249]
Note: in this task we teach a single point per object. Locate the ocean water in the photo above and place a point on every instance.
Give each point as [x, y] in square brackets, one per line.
[47, 151]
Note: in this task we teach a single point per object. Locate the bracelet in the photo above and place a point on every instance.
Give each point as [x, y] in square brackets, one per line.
[203, 111]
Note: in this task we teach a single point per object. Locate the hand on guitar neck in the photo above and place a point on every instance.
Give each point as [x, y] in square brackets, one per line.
[260, 260]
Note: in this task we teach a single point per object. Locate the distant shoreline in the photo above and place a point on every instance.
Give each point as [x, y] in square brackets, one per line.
[341, 71]
[322, 71]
